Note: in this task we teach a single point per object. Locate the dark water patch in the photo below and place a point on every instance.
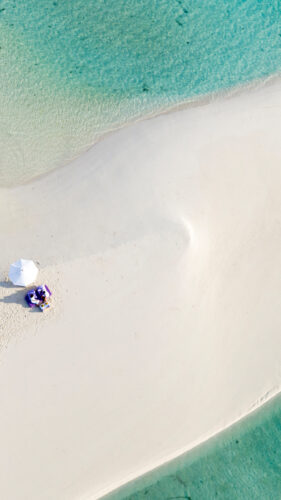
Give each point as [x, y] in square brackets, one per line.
[230, 43]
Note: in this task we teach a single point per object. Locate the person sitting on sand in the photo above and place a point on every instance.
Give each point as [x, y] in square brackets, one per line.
[33, 298]
[43, 294]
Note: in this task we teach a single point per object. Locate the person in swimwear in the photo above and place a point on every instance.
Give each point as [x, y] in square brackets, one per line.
[33, 299]
[43, 295]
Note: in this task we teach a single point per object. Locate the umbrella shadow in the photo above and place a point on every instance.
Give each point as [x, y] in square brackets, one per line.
[6, 284]
[15, 298]
[18, 298]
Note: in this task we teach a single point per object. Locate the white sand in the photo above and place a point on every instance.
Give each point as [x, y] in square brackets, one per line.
[163, 248]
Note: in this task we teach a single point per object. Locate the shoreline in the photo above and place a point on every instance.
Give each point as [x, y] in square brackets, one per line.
[205, 439]
[187, 103]
[146, 241]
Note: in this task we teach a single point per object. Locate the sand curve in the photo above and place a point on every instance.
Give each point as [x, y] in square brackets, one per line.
[162, 245]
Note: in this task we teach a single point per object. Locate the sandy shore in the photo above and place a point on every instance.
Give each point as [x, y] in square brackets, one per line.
[163, 248]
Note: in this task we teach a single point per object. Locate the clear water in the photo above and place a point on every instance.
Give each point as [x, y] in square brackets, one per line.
[72, 70]
[242, 463]
[167, 48]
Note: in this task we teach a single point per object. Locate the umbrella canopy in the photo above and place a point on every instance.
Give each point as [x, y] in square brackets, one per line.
[23, 272]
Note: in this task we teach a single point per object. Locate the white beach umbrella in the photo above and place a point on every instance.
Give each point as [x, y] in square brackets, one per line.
[23, 272]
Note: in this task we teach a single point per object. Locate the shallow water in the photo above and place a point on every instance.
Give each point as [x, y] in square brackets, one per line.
[70, 71]
[165, 48]
[242, 463]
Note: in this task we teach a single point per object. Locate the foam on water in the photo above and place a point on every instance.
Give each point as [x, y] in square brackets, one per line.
[241, 463]
[70, 71]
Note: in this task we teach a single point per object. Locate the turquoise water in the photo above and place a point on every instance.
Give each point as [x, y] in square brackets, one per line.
[72, 70]
[242, 463]
[167, 48]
